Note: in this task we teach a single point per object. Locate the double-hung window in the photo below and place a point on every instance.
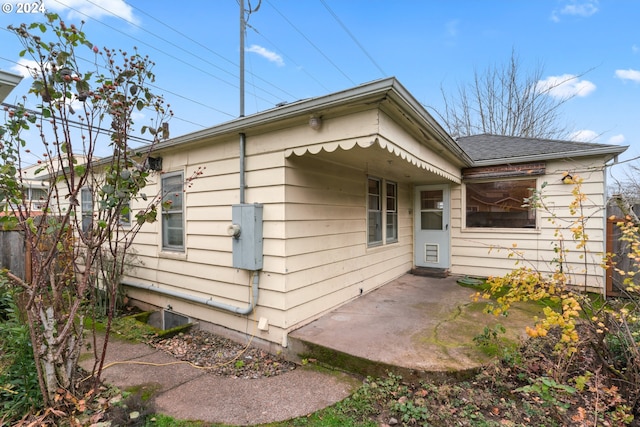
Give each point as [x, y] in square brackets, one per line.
[86, 208]
[38, 198]
[392, 211]
[172, 212]
[374, 208]
[382, 211]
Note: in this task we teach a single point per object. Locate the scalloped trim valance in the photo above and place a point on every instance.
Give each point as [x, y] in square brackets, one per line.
[348, 144]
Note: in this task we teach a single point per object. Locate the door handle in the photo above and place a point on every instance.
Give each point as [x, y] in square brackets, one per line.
[446, 226]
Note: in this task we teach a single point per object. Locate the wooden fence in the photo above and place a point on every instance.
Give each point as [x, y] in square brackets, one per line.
[12, 253]
[621, 250]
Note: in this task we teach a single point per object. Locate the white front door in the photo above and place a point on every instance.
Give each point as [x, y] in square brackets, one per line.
[431, 225]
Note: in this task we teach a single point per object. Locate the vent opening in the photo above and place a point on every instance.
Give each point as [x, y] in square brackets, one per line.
[171, 319]
[431, 253]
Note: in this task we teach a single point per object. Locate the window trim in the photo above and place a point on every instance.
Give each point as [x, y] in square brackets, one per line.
[86, 215]
[122, 220]
[382, 211]
[394, 212]
[535, 228]
[165, 246]
[36, 204]
[378, 211]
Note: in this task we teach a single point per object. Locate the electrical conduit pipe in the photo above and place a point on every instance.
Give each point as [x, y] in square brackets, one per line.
[201, 300]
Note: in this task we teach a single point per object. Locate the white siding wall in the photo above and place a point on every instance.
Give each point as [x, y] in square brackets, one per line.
[205, 268]
[324, 217]
[483, 252]
[328, 259]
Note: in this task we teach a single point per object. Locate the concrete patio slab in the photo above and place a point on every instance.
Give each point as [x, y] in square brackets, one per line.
[414, 325]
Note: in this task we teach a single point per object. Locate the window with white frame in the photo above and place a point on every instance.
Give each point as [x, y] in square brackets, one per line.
[125, 214]
[86, 208]
[382, 211]
[172, 212]
[500, 204]
[392, 212]
[38, 197]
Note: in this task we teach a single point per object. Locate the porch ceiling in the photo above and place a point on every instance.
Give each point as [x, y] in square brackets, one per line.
[376, 156]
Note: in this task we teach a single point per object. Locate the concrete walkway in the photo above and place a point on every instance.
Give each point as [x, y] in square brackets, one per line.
[188, 393]
[416, 326]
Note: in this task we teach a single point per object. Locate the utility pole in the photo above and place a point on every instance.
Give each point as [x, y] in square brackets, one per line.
[242, 30]
[243, 141]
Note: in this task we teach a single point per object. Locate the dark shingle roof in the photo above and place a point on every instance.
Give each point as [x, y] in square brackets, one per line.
[488, 149]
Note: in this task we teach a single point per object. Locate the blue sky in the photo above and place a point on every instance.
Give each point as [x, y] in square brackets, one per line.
[298, 49]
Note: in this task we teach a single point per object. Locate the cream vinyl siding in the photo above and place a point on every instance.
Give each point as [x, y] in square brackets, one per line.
[483, 252]
[320, 227]
[205, 268]
[328, 260]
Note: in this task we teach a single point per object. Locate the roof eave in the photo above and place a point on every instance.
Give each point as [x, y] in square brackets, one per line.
[305, 106]
[419, 111]
[609, 151]
[378, 89]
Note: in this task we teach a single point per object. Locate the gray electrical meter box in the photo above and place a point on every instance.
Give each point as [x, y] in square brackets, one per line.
[246, 232]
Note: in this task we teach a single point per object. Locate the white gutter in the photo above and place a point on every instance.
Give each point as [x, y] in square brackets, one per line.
[375, 91]
[8, 82]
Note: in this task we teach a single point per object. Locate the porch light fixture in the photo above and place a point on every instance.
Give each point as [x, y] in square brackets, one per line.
[315, 122]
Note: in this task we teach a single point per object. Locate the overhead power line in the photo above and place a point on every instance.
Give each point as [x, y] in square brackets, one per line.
[304, 69]
[204, 46]
[157, 87]
[346, 30]
[311, 43]
[80, 125]
[181, 48]
[167, 54]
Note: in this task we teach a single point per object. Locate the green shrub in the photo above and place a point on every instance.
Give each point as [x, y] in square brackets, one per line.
[19, 389]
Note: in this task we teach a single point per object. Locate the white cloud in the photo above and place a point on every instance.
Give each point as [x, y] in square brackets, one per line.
[82, 9]
[635, 48]
[617, 139]
[267, 54]
[452, 27]
[576, 8]
[25, 67]
[633, 75]
[584, 135]
[565, 86]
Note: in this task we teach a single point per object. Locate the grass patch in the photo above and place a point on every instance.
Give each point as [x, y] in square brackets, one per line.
[134, 328]
[145, 391]
[160, 420]
[131, 329]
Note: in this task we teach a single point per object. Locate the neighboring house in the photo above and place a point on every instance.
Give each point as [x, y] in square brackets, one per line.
[35, 191]
[304, 207]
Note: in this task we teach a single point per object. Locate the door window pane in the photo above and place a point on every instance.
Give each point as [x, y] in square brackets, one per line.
[432, 199]
[431, 209]
[431, 220]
